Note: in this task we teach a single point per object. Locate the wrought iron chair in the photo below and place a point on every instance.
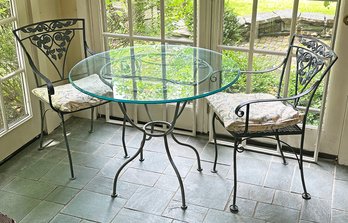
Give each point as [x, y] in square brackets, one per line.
[247, 116]
[52, 41]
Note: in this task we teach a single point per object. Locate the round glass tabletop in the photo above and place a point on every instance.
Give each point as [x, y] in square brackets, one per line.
[153, 74]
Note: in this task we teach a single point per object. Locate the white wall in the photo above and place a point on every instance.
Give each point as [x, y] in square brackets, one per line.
[334, 139]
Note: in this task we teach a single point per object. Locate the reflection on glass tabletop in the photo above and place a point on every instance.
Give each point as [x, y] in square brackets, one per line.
[152, 74]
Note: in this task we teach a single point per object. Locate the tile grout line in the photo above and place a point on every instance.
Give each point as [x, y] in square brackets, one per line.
[333, 192]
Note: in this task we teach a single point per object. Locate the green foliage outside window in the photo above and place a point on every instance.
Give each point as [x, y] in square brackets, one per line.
[12, 90]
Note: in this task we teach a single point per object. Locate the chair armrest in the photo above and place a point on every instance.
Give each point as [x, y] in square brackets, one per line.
[264, 71]
[48, 82]
[240, 113]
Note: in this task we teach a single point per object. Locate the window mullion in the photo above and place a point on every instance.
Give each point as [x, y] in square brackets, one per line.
[130, 22]
[2, 107]
[105, 25]
[251, 45]
[162, 18]
[292, 31]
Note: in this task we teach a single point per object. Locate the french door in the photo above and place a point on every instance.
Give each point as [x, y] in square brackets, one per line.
[255, 33]
[17, 124]
[134, 22]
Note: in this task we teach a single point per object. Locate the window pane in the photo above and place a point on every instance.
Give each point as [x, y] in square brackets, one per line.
[12, 90]
[115, 43]
[117, 16]
[316, 18]
[237, 19]
[179, 19]
[273, 23]
[5, 9]
[266, 82]
[241, 59]
[8, 54]
[313, 118]
[146, 17]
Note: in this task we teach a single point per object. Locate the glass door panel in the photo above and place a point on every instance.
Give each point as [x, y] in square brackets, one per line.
[237, 22]
[8, 54]
[179, 19]
[146, 18]
[15, 101]
[116, 15]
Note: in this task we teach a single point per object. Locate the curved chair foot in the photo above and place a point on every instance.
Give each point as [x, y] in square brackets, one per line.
[114, 195]
[306, 196]
[40, 148]
[199, 169]
[126, 156]
[214, 171]
[285, 163]
[184, 207]
[234, 208]
[72, 178]
[141, 160]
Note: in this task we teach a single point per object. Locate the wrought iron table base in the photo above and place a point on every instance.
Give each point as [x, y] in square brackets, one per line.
[148, 133]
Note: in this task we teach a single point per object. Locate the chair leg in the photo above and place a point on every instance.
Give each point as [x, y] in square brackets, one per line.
[281, 150]
[234, 207]
[305, 194]
[92, 120]
[42, 116]
[67, 147]
[215, 144]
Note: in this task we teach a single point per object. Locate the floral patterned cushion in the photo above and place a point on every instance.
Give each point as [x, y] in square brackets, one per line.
[262, 116]
[68, 99]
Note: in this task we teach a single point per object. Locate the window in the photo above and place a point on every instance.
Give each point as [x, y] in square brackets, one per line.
[133, 22]
[14, 106]
[136, 22]
[256, 34]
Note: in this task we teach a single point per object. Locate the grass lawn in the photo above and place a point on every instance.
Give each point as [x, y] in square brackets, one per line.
[244, 7]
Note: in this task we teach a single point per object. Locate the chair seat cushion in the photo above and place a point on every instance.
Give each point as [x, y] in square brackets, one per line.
[263, 116]
[68, 99]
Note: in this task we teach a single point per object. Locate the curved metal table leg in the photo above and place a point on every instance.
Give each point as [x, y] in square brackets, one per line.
[184, 207]
[191, 147]
[125, 164]
[150, 133]
[124, 138]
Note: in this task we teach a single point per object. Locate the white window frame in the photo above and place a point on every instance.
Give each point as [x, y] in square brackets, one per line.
[163, 40]
[19, 72]
[251, 51]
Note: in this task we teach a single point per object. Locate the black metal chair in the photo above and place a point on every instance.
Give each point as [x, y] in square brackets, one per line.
[247, 116]
[51, 43]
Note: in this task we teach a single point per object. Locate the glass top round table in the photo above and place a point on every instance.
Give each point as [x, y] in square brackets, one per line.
[154, 74]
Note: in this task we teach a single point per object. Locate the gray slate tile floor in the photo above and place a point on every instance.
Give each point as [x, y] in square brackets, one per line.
[35, 185]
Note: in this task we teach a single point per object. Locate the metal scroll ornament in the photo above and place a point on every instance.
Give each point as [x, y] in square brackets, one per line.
[316, 47]
[52, 43]
[307, 66]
